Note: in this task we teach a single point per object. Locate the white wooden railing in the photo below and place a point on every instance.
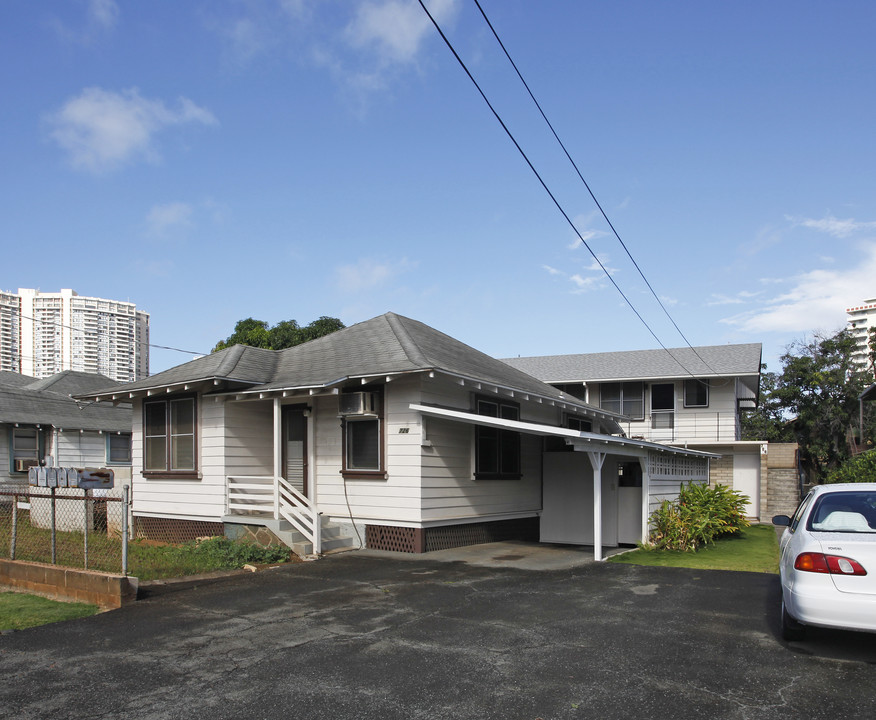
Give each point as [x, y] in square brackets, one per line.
[266, 496]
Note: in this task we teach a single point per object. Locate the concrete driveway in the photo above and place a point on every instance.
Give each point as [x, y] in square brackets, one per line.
[377, 635]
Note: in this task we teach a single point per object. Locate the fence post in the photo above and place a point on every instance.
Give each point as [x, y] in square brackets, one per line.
[14, 526]
[85, 517]
[125, 530]
[54, 532]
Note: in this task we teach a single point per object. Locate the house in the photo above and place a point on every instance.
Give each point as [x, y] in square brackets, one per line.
[390, 434]
[41, 424]
[689, 397]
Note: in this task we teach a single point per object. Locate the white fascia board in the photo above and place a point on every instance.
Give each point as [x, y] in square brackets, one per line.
[584, 440]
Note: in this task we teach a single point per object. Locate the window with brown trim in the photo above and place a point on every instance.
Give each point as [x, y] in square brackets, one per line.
[170, 431]
[363, 441]
[497, 451]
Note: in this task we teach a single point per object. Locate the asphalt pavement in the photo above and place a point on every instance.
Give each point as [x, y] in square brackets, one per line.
[452, 635]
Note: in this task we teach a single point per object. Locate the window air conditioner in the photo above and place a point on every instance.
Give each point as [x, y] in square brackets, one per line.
[357, 403]
[22, 464]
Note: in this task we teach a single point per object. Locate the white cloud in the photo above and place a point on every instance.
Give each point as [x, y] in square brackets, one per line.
[834, 226]
[101, 130]
[164, 218]
[395, 29]
[368, 274]
[581, 283]
[816, 300]
[103, 13]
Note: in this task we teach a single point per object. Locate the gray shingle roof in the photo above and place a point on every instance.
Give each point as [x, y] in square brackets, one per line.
[31, 404]
[708, 361]
[387, 344]
[14, 379]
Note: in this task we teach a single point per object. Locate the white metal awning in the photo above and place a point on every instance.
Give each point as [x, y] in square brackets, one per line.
[585, 441]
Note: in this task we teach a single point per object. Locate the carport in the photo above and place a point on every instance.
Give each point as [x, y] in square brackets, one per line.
[568, 483]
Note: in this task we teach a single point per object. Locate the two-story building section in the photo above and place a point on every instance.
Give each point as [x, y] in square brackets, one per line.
[689, 397]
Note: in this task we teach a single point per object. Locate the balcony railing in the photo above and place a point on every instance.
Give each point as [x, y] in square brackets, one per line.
[685, 426]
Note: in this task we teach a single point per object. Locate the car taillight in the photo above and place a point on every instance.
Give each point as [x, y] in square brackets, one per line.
[830, 564]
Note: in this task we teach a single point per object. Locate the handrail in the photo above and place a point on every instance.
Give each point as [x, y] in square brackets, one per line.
[293, 506]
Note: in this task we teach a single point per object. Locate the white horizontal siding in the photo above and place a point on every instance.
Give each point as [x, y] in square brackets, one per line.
[80, 449]
[450, 491]
[201, 498]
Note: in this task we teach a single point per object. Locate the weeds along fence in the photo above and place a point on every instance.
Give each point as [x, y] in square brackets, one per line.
[66, 526]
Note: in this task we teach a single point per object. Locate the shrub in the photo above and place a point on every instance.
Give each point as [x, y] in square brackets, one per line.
[699, 515]
[861, 468]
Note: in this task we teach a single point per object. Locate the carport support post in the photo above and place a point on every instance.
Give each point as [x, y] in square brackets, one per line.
[278, 454]
[597, 459]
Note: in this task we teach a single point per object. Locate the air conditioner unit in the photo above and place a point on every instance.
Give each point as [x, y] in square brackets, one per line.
[22, 464]
[357, 403]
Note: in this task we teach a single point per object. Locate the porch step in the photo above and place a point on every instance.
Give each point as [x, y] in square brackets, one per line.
[334, 537]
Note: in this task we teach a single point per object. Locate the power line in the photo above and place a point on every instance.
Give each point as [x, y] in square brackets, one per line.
[546, 188]
[589, 190]
[80, 330]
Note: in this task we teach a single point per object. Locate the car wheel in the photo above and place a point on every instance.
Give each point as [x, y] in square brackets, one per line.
[791, 629]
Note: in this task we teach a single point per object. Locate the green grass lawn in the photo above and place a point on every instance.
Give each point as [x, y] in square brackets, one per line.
[19, 611]
[754, 549]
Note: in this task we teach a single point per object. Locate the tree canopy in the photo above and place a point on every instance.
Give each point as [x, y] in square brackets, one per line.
[287, 333]
[814, 401]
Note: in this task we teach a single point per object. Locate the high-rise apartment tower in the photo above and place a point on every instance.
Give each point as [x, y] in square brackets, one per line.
[45, 333]
[861, 318]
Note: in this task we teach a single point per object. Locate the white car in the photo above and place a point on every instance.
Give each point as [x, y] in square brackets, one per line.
[828, 560]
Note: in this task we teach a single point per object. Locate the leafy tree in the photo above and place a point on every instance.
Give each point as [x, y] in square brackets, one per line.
[871, 355]
[768, 421]
[861, 468]
[287, 333]
[819, 388]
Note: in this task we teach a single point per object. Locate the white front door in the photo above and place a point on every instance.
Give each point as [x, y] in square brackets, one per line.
[746, 479]
[295, 449]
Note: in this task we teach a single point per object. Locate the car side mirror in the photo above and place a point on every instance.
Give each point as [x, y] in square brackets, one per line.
[781, 520]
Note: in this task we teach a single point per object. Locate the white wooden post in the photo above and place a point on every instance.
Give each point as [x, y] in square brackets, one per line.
[646, 497]
[596, 460]
[278, 454]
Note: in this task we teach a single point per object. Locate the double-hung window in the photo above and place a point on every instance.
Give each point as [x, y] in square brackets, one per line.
[170, 437]
[118, 448]
[623, 398]
[25, 448]
[363, 441]
[497, 451]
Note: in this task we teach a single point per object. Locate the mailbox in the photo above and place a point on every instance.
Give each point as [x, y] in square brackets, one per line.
[84, 478]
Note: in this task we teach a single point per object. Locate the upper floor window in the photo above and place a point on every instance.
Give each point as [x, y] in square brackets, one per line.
[696, 393]
[170, 436]
[497, 451]
[623, 398]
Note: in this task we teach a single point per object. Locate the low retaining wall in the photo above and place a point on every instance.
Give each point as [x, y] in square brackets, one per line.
[61, 583]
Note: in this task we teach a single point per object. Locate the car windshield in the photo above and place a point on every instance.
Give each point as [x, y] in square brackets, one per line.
[849, 511]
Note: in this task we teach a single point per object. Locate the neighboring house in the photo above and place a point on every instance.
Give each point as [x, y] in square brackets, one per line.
[690, 397]
[391, 432]
[41, 424]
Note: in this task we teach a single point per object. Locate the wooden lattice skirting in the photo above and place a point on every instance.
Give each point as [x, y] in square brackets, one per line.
[419, 540]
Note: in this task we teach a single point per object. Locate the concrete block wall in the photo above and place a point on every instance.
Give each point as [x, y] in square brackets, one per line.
[61, 583]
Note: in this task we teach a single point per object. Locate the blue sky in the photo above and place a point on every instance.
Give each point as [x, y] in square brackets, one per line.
[287, 159]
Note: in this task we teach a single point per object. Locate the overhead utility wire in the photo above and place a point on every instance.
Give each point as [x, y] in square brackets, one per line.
[544, 184]
[589, 190]
[135, 341]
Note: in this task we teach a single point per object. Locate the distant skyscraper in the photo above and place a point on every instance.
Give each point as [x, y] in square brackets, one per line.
[861, 319]
[45, 333]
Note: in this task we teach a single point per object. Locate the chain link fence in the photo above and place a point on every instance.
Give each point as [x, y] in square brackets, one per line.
[65, 526]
